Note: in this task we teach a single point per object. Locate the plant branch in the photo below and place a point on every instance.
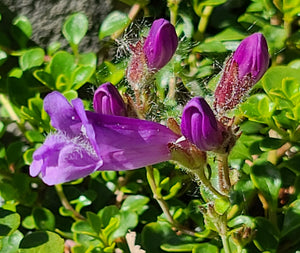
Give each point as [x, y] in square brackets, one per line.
[64, 201]
[163, 204]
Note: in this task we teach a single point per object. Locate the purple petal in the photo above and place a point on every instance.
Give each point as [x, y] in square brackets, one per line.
[200, 126]
[62, 114]
[61, 159]
[160, 44]
[107, 100]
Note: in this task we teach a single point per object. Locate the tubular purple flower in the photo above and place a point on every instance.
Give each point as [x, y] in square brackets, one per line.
[199, 125]
[87, 141]
[244, 69]
[160, 44]
[107, 100]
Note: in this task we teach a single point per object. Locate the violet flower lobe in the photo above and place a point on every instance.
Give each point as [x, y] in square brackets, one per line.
[244, 69]
[199, 125]
[107, 100]
[87, 141]
[160, 44]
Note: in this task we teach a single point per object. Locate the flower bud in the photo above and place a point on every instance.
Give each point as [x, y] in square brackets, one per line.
[107, 100]
[160, 44]
[200, 126]
[242, 70]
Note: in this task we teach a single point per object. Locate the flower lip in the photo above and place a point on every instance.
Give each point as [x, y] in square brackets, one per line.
[160, 44]
[200, 126]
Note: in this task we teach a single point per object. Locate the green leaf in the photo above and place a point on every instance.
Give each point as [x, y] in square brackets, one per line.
[28, 222]
[53, 48]
[32, 58]
[154, 234]
[9, 222]
[34, 136]
[128, 220]
[266, 177]
[44, 219]
[61, 68]
[109, 72]
[75, 28]
[221, 206]
[113, 22]
[140, 2]
[10, 244]
[3, 57]
[45, 78]
[205, 247]
[135, 203]
[258, 108]
[242, 220]
[81, 75]
[24, 25]
[83, 227]
[272, 80]
[94, 221]
[41, 241]
[266, 236]
[107, 213]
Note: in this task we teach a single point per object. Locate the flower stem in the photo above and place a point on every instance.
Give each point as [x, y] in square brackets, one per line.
[162, 203]
[223, 170]
[204, 180]
[204, 20]
[225, 243]
[173, 6]
[65, 202]
[6, 104]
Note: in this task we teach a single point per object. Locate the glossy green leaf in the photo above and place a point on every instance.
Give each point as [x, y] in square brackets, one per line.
[53, 48]
[62, 64]
[266, 177]
[94, 221]
[32, 58]
[44, 219]
[9, 222]
[113, 22]
[107, 213]
[135, 203]
[128, 220]
[221, 206]
[109, 72]
[81, 75]
[10, 244]
[28, 222]
[45, 78]
[34, 136]
[205, 247]
[41, 241]
[75, 28]
[24, 25]
[83, 227]
[258, 108]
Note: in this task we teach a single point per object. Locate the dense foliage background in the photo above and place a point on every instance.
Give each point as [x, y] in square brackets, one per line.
[113, 211]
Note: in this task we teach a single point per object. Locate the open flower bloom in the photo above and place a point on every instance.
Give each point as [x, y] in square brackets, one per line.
[107, 100]
[244, 69]
[199, 125]
[87, 141]
[160, 44]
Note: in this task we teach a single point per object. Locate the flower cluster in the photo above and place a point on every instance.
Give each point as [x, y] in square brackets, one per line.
[107, 139]
[89, 141]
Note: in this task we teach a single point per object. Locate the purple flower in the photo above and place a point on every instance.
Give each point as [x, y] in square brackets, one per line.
[199, 125]
[87, 141]
[107, 100]
[160, 44]
[246, 66]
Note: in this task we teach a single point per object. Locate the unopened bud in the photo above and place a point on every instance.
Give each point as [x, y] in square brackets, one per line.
[107, 100]
[242, 70]
[200, 126]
